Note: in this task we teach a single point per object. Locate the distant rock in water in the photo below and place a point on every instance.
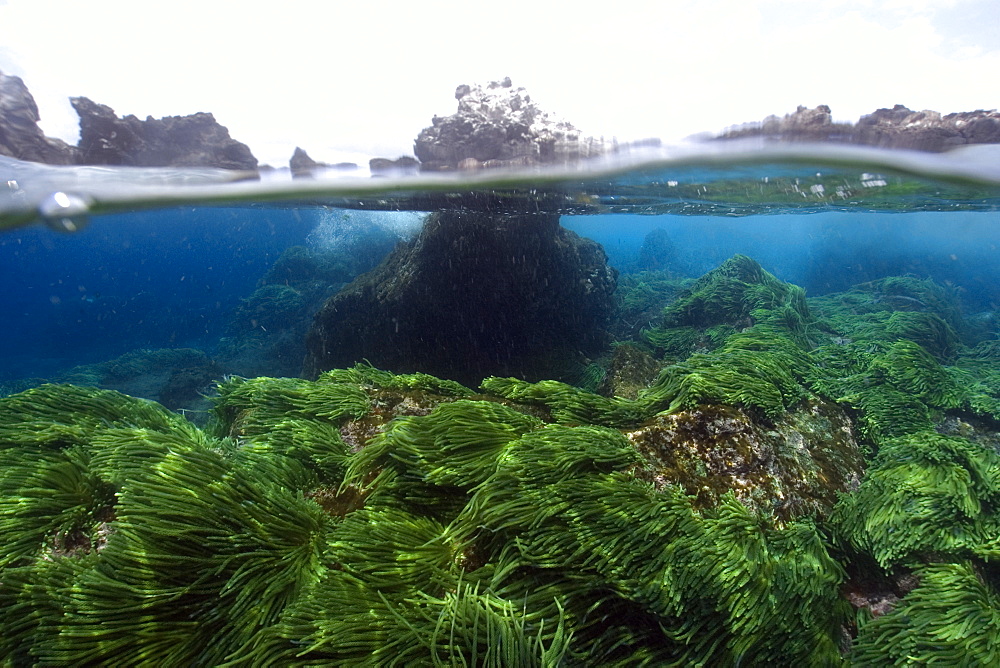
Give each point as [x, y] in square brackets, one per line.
[196, 140]
[473, 295]
[302, 165]
[20, 136]
[658, 252]
[403, 164]
[898, 127]
[499, 125]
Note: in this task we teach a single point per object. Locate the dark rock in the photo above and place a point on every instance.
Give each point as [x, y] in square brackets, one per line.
[302, 165]
[473, 295]
[898, 128]
[196, 140]
[498, 126]
[657, 252]
[20, 136]
[178, 378]
[404, 165]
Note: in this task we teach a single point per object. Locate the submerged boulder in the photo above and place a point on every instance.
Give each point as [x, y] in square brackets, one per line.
[473, 295]
[196, 140]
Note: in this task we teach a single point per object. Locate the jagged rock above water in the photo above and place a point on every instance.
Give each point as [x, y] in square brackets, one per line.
[20, 136]
[499, 125]
[473, 296]
[196, 140]
[898, 127]
[302, 165]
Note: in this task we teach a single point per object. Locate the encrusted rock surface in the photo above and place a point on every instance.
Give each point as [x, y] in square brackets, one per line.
[20, 136]
[898, 127]
[473, 295]
[197, 140]
[499, 125]
[795, 466]
[631, 370]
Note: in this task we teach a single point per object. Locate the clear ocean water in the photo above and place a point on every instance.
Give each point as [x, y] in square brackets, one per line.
[101, 262]
[797, 461]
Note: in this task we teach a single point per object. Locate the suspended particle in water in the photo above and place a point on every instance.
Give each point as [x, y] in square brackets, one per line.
[64, 212]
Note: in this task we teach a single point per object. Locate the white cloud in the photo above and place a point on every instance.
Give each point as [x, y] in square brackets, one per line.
[367, 77]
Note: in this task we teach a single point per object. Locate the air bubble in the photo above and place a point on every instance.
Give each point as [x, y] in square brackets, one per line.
[65, 212]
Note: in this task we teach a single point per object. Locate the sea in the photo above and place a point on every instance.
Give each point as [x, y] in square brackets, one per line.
[826, 496]
[102, 262]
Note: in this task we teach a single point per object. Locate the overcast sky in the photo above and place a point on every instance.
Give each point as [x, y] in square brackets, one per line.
[363, 77]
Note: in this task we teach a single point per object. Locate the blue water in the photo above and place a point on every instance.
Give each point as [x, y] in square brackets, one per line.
[823, 252]
[154, 266]
[172, 278]
[158, 279]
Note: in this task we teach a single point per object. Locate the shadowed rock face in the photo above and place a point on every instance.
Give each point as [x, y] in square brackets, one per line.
[196, 140]
[473, 295]
[20, 136]
[898, 127]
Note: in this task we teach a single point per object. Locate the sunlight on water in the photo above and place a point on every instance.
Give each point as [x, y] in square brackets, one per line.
[337, 230]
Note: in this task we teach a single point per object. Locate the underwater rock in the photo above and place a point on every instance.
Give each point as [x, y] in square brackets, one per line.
[473, 295]
[898, 127]
[20, 136]
[175, 377]
[497, 126]
[630, 370]
[657, 252]
[196, 140]
[266, 330]
[796, 466]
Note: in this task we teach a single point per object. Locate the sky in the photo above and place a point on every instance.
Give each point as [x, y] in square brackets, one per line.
[352, 80]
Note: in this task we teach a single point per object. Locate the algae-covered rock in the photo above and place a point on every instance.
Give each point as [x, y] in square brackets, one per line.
[796, 466]
[473, 295]
[723, 515]
[175, 377]
[630, 370]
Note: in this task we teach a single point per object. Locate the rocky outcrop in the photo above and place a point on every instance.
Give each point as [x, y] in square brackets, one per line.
[196, 140]
[302, 165]
[898, 127]
[499, 125]
[401, 165]
[795, 466]
[473, 295]
[20, 136]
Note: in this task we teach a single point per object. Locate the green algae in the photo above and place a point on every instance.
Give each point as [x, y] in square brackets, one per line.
[369, 518]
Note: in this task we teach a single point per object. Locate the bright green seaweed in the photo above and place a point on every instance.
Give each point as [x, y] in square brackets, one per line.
[368, 518]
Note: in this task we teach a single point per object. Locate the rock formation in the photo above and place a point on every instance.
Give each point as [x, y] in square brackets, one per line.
[898, 127]
[302, 165]
[196, 140]
[473, 295]
[496, 126]
[403, 164]
[20, 136]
